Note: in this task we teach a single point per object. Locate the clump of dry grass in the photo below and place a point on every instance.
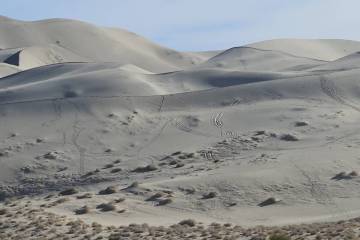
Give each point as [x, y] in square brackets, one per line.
[69, 191]
[344, 175]
[3, 211]
[115, 170]
[289, 137]
[109, 165]
[83, 210]
[108, 190]
[119, 200]
[155, 196]
[165, 201]
[106, 207]
[269, 201]
[209, 195]
[279, 237]
[84, 196]
[147, 168]
[188, 222]
[133, 185]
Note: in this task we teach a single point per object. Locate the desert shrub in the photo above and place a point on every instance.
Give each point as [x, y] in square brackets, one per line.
[148, 168]
[119, 200]
[209, 195]
[155, 196]
[289, 137]
[86, 195]
[115, 170]
[188, 222]
[109, 165]
[3, 211]
[83, 210]
[69, 191]
[117, 161]
[279, 237]
[268, 201]
[134, 185]
[353, 174]
[165, 201]
[61, 200]
[106, 207]
[301, 124]
[108, 190]
[179, 165]
[122, 211]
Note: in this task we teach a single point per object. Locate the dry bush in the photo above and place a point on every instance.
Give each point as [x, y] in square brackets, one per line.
[279, 237]
[133, 185]
[119, 200]
[106, 207]
[155, 196]
[188, 222]
[110, 165]
[115, 170]
[85, 195]
[209, 195]
[289, 137]
[69, 191]
[268, 201]
[165, 201]
[108, 190]
[3, 211]
[147, 168]
[83, 210]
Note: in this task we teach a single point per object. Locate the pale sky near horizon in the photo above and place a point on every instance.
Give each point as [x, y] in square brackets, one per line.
[204, 24]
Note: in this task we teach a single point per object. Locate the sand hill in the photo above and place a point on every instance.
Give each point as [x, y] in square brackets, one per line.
[263, 134]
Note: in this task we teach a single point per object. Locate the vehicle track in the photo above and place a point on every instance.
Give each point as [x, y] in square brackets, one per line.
[330, 89]
[216, 120]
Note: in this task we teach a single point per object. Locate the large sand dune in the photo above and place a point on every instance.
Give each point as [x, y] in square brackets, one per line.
[209, 136]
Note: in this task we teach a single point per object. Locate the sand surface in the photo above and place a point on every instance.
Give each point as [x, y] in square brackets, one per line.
[208, 136]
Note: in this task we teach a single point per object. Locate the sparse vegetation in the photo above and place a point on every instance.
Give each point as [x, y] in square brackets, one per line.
[83, 210]
[165, 201]
[155, 196]
[106, 207]
[115, 170]
[209, 195]
[188, 222]
[85, 195]
[289, 137]
[69, 191]
[269, 201]
[108, 190]
[279, 237]
[301, 124]
[147, 168]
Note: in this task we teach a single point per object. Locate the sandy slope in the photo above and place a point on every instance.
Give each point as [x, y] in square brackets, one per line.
[86, 41]
[274, 119]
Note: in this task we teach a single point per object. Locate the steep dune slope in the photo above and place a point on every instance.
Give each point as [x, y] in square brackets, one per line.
[7, 69]
[93, 43]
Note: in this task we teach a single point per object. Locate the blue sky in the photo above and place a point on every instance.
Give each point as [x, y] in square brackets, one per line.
[204, 24]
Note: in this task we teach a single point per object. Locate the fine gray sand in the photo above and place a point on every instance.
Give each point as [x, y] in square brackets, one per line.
[101, 128]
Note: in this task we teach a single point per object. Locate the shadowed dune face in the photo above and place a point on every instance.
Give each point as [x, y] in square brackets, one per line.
[263, 134]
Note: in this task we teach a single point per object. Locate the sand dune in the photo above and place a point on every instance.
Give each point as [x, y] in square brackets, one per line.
[263, 134]
[253, 59]
[93, 44]
[321, 49]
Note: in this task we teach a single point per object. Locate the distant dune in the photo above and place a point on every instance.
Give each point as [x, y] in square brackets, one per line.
[105, 126]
